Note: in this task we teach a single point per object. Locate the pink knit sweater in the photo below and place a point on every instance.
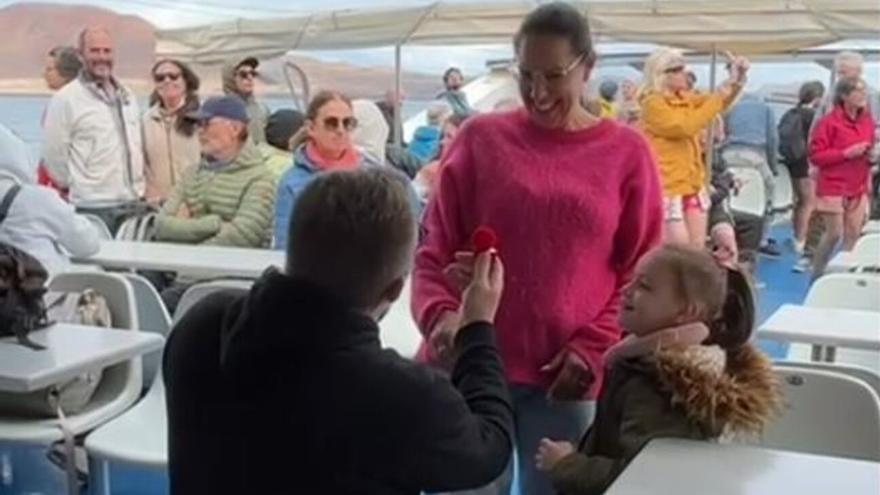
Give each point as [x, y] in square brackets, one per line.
[574, 211]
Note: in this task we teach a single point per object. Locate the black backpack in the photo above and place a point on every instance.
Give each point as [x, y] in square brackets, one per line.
[22, 287]
[794, 128]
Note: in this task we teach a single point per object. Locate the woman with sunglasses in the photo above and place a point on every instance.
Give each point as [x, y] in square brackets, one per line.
[673, 118]
[575, 201]
[324, 143]
[171, 144]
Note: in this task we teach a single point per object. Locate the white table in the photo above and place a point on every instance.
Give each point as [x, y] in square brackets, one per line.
[676, 467]
[70, 350]
[824, 327]
[187, 260]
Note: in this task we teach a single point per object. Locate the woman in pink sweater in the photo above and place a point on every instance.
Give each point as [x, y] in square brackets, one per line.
[575, 201]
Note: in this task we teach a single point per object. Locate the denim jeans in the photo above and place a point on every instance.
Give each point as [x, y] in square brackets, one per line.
[536, 418]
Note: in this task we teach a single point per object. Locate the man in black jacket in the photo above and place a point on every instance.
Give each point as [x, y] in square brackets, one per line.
[287, 389]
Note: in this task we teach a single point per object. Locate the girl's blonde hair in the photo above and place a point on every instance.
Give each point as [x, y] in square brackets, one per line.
[724, 296]
[655, 75]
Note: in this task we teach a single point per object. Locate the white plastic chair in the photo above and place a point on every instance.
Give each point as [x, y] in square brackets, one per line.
[120, 385]
[751, 197]
[783, 196]
[201, 290]
[826, 413]
[867, 375]
[152, 317]
[866, 253]
[139, 438]
[104, 233]
[845, 291]
[138, 228]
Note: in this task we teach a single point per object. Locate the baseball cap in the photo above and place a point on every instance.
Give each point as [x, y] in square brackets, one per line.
[228, 107]
[251, 62]
[281, 127]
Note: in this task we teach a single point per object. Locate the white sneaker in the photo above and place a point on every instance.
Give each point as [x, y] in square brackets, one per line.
[803, 265]
[798, 246]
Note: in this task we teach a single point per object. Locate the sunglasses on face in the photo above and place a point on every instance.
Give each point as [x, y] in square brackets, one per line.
[247, 74]
[333, 123]
[167, 76]
[674, 70]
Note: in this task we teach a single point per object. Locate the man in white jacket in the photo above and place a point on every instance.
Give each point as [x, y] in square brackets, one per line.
[93, 136]
[38, 221]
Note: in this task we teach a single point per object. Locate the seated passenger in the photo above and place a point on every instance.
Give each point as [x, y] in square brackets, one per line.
[277, 150]
[226, 199]
[38, 221]
[324, 144]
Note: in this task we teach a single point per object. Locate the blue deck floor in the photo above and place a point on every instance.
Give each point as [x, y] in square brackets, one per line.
[779, 286]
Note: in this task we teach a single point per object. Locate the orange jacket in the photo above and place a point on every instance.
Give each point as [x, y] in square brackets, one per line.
[672, 124]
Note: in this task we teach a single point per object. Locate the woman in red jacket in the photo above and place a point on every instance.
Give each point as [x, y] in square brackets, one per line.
[575, 201]
[840, 149]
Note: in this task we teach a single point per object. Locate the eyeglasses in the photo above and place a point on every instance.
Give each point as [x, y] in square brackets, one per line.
[162, 77]
[247, 74]
[347, 123]
[551, 77]
[674, 70]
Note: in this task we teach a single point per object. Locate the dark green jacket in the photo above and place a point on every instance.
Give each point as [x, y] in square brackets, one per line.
[682, 394]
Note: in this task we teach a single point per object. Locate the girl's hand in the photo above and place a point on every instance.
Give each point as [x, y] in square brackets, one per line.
[573, 377]
[725, 249]
[550, 453]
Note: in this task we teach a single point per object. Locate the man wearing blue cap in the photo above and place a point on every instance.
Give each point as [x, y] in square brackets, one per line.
[228, 198]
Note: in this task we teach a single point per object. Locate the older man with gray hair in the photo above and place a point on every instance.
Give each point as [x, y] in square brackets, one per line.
[228, 198]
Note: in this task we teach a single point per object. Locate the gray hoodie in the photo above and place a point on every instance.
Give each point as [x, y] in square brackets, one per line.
[257, 112]
[39, 222]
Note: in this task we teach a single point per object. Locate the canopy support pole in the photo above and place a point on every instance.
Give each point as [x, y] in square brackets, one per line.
[398, 138]
[710, 135]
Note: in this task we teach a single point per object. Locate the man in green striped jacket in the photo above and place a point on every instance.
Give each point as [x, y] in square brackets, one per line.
[228, 198]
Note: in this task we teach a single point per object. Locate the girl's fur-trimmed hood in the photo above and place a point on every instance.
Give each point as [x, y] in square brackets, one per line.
[734, 394]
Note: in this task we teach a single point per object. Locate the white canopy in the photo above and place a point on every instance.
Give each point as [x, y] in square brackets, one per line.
[743, 26]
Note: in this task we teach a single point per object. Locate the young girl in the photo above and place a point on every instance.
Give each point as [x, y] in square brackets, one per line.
[686, 370]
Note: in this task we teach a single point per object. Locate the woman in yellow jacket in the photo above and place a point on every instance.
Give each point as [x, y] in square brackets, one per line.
[672, 119]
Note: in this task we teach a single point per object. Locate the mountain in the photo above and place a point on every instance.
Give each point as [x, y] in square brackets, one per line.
[31, 30]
